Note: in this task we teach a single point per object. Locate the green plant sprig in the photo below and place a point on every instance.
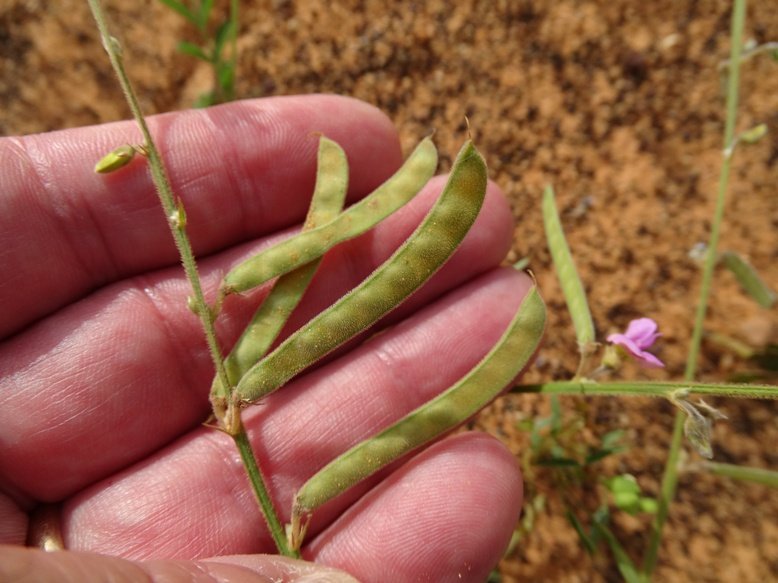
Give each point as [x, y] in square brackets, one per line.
[172, 207]
[670, 475]
[174, 211]
[224, 70]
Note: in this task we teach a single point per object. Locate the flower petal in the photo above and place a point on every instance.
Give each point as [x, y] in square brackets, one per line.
[642, 331]
[644, 358]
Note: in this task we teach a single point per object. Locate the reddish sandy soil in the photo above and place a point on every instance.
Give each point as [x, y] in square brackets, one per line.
[618, 104]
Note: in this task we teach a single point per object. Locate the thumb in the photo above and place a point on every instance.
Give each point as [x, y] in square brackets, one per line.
[20, 564]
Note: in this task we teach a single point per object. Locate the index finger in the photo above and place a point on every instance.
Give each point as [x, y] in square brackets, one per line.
[65, 231]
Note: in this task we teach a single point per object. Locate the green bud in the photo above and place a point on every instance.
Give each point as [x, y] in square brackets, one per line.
[754, 134]
[115, 159]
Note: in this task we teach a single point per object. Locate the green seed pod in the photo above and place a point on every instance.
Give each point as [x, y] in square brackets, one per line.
[357, 219]
[428, 247]
[115, 159]
[443, 413]
[572, 288]
[326, 202]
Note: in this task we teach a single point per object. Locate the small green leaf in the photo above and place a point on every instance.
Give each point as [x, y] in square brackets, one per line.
[182, 10]
[205, 100]
[193, 50]
[204, 14]
[223, 34]
[610, 445]
[612, 440]
[596, 455]
[749, 279]
[648, 505]
[626, 492]
[226, 77]
[623, 562]
[627, 502]
[589, 544]
[624, 484]
[557, 462]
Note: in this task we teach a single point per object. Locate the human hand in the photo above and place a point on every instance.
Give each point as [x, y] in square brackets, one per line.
[105, 375]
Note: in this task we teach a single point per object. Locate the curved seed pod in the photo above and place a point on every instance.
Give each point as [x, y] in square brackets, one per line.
[449, 409]
[360, 217]
[572, 288]
[428, 247]
[326, 202]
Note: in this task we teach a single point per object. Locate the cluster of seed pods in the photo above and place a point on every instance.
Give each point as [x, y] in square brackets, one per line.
[254, 373]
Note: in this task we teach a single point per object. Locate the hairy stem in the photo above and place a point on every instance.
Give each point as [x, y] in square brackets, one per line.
[176, 218]
[649, 389]
[263, 496]
[164, 190]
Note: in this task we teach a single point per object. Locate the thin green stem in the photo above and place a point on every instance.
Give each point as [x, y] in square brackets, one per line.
[666, 495]
[176, 218]
[670, 476]
[649, 389]
[262, 495]
[164, 191]
[711, 256]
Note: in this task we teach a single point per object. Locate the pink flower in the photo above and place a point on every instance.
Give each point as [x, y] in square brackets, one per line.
[640, 334]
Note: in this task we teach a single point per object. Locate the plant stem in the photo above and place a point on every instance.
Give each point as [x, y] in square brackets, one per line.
[263, 496]
[164, 190]
[670, 477]
[174, 212]
[649, 389]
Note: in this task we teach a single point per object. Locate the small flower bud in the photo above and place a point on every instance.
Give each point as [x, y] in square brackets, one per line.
[191, 303]
[115, 159]
[754, 134]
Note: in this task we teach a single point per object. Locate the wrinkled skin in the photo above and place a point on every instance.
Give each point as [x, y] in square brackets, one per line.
[105, 375]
